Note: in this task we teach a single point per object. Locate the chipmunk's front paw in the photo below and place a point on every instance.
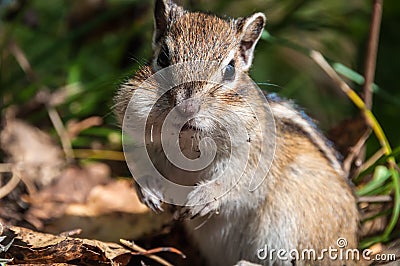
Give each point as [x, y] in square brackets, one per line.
[150, 193]
[200, 202]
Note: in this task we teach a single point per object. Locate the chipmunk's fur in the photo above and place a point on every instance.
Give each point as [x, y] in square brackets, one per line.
[305, 200]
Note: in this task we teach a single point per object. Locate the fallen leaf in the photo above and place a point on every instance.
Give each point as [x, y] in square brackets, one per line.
[34, 247]
[117, 196]
[73, 186]
[23, 143]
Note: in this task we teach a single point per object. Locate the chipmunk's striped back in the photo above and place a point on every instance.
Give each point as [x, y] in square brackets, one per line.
[288, 113]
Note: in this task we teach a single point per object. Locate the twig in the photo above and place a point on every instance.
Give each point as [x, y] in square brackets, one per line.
[74, 128]
[6, 260]
[372, 48]
[62, 132]
[354, 151]
[144, 252]
[373, 199]
[7, 188]
[16, 177]
[22, 60]
[370, 61]
[371, 160]
[72, 232]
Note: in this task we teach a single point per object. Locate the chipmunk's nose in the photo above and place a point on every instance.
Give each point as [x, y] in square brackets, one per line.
[188, 107]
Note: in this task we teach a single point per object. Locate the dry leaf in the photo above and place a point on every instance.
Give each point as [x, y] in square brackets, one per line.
[34, 247]
[117, 196]
[73, 186]
[74, 127]
[38, 157]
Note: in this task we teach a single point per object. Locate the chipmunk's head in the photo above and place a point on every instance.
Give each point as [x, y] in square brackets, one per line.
[196, 89]
[181, 36]
[206, 59]
[225, 48]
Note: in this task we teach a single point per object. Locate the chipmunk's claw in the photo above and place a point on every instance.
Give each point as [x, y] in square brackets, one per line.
[150, 195]
[152, 201]
[198, 205]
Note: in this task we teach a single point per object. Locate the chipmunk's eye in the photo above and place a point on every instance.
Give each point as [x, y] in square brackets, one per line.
[229, 71]
[163, 57]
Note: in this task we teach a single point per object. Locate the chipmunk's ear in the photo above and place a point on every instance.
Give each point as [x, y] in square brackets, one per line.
[164, 12]
[249, 30]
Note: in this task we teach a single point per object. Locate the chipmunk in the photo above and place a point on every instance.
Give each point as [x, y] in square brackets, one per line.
[304, 201]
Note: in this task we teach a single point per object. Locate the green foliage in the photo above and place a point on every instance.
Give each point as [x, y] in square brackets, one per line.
[377, 185]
